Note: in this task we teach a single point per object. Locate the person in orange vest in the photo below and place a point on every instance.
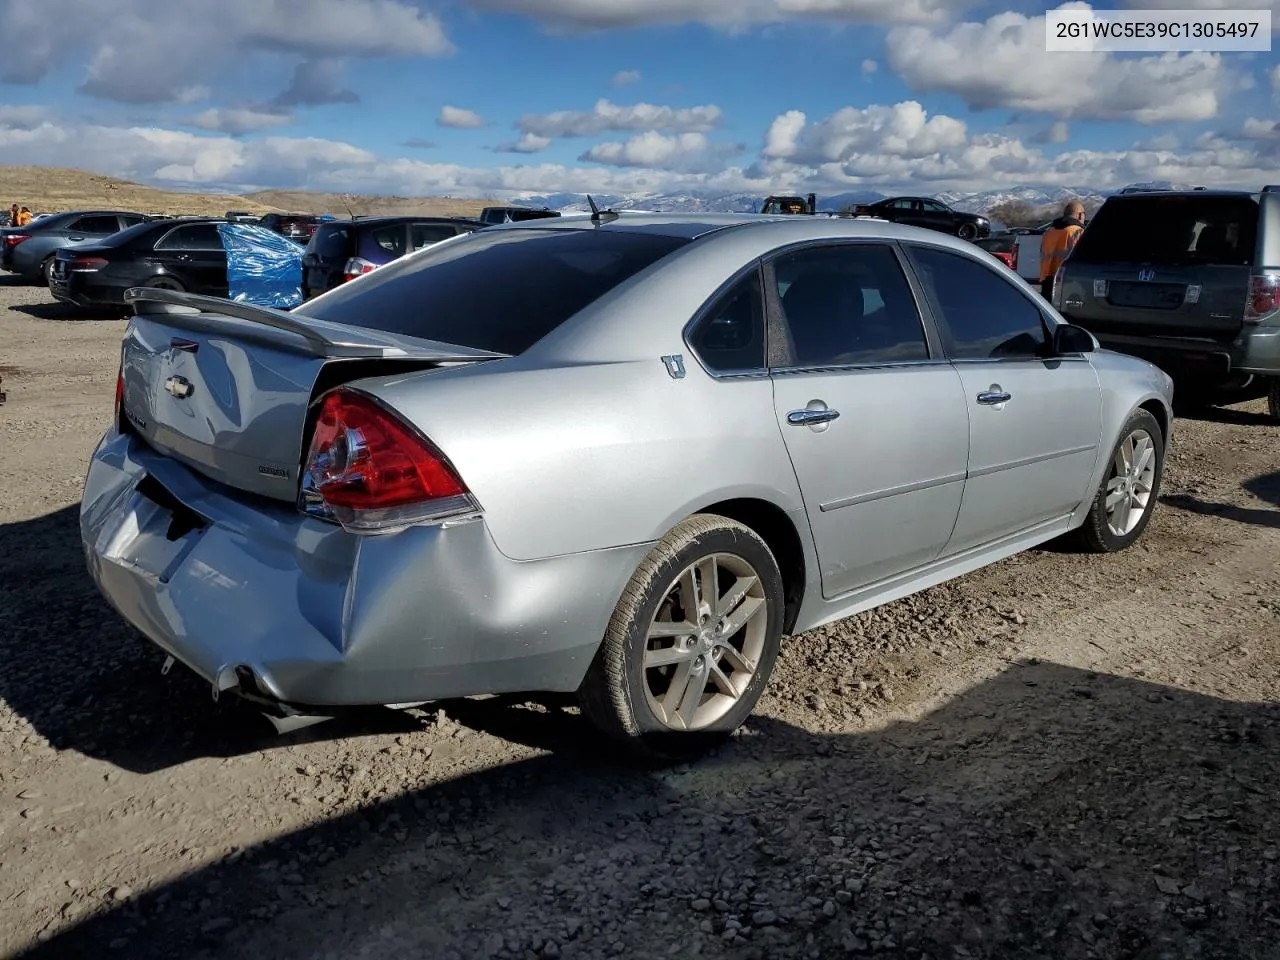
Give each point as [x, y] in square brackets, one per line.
[24, 217]
[1057, 242]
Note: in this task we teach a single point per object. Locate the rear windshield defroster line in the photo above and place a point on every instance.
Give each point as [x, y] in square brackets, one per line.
[501, 291]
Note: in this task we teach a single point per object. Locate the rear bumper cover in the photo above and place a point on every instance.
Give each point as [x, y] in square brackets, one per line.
[1256, 350]
[325, 618]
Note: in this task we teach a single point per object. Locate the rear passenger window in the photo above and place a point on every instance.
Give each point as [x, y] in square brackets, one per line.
[730, 336]
[847, 304]
[982, 314]
[391, 239]
[425, 234]
[98, 225]
[198, 236]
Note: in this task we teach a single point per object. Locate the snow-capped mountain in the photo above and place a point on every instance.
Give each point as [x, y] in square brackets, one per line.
[978, 202]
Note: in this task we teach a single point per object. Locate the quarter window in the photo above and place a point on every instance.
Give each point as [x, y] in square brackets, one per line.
[730, 335]
[99, 225]
[425, 234]
[198, 236]
[848, 304]
[391, 239]
[982, 314]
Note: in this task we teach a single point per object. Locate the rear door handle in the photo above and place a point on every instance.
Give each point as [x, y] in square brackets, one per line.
[990, 397]
[807, 418]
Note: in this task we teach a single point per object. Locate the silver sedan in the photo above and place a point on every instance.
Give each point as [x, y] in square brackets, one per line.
[621, 456]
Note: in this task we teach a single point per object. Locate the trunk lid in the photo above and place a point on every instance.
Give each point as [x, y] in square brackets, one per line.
[225, 388]
[1190, 300]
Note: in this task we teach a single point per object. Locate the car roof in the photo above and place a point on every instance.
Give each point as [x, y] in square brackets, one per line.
[1138, 194]
[392, 218]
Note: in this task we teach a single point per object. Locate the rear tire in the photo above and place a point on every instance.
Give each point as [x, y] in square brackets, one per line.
[671, 693]
[165, 283]
[1130, 487]
[1273, 399]
[967, 231]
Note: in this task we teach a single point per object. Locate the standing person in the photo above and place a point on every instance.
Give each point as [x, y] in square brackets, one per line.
[24, 217]
[13, 215]
[1058, 242]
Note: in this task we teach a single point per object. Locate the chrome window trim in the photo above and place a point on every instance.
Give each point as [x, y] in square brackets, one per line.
[704, 310]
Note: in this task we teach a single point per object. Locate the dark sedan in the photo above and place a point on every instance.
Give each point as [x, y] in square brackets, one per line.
[170, 254]
[29, 251]
[928, 213]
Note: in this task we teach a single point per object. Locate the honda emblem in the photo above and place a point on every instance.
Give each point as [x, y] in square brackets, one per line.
[1146, 274]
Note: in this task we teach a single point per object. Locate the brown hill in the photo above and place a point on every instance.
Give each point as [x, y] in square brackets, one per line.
[53, 189]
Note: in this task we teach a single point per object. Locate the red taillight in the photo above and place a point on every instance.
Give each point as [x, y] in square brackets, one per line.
[1264, 297]
[13, 239]
[86, 264]
[357, 267]
[373, 472]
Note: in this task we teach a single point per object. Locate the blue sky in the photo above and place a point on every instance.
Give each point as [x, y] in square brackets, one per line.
[618, 96]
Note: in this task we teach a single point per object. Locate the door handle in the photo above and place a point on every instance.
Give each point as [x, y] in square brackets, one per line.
[990, 397]
[77, 239]
[807, 418]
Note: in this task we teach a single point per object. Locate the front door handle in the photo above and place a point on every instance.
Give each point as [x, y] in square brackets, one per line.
[990, 397]
[807, 418]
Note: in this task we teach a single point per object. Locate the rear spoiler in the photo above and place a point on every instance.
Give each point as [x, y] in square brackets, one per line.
[319, 338]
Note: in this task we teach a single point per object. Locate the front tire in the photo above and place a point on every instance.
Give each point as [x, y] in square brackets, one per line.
[1122, 507]
[692, 641]
[967, 231]
[165, 283]
[46, 270]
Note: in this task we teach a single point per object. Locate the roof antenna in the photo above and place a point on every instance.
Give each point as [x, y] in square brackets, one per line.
[598, 216]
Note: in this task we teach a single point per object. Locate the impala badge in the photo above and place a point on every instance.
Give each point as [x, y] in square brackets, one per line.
[178, 387]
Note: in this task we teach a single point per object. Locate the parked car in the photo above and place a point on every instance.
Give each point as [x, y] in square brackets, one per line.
[515, 214]
[928, 213]
[241, 261]
[342, 250]
[295, 226]
[29, 251]
[1189, 280]
[617, 456]
[1004, 247]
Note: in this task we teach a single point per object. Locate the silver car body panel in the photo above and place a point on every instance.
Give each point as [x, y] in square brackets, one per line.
[582, 451]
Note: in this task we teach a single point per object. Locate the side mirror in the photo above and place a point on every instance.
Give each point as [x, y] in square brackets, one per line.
[1068, 338]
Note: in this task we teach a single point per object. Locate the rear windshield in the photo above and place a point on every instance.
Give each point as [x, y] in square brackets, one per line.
[1177, 229]
[501, 291]
[330, 243]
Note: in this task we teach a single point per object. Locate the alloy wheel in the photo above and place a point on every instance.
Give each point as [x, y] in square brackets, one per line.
[1130, 482]
[705, 642]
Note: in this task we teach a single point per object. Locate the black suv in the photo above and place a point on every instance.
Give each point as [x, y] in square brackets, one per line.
[1189, 280]
[296, 226]
[928, 213]
[341, 250]
[514, 214]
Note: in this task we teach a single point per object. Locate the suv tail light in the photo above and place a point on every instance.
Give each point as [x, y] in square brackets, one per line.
[357, 267]
[86, 264]
[1055, 296]
[373, 472]
[1264, 297]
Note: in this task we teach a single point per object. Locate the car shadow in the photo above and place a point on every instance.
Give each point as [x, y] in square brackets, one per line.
[88, 682]
[1265, 487]
[1227, 416]
[1049, 812]
[56, 310]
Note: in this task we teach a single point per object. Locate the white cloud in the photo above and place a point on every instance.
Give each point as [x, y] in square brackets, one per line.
[902, 130]
[682, 151]
[109, 37]
[625, 77]
[982, 161]
[1275, 78]
[606, 116]
[240, 120]
[527, 143]
[604, 14]
[316, 81]
[458, 118]
[1255, 129]
[21, 118]
[1002, 63]
[869, 67]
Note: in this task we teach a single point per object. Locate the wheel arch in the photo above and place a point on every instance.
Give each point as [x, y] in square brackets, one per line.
[777, 529]
[1164, 416]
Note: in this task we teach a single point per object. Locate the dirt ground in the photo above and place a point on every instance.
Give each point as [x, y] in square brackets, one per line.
[1057, 757]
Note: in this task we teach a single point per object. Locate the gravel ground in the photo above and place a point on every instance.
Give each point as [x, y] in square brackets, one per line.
[1059, 756]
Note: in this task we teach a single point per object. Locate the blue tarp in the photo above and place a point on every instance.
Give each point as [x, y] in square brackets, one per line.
[263, 267]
